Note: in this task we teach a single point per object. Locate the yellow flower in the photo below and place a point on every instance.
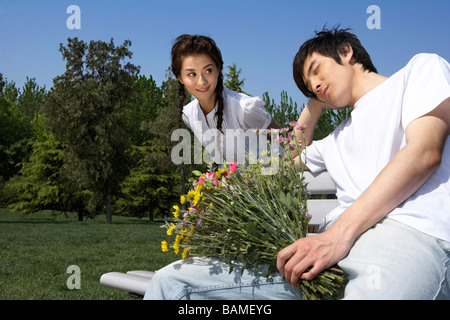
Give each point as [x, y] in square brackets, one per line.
[220, 173]
[184, 254]
[164, 246]
[190, 195]
[178, 239]
[182, 199]
[231, 202]
[171, 229]
[176, 249]
[176, 213]
[211, 205]
[197, 196]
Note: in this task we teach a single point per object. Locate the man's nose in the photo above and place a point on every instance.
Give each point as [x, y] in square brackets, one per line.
[316, 85]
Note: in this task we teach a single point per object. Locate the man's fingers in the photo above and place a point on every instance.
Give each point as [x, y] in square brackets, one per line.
[295, 268]
[283, 256]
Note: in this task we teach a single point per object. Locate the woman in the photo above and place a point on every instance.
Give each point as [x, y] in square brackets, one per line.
[217, 114]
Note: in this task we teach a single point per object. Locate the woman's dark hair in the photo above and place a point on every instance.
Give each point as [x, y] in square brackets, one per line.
[191, 45]
[329, 43]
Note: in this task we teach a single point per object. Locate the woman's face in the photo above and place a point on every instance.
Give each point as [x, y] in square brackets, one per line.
[199, 75]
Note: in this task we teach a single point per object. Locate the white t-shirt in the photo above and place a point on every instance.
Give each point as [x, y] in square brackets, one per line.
[361, 146]
[241, 115]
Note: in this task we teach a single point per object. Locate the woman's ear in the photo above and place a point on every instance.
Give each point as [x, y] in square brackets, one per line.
[179, 80]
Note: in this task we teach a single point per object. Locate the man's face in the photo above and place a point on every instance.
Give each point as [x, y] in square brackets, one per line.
[330, 81]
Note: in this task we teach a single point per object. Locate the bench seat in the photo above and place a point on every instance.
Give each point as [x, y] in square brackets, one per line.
[136, 282]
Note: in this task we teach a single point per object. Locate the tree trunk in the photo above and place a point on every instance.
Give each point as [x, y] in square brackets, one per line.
[108, 207]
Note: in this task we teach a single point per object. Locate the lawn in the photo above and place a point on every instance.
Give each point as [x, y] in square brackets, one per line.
[36, 250]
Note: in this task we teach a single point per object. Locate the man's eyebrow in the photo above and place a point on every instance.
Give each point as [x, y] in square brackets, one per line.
[311, 66]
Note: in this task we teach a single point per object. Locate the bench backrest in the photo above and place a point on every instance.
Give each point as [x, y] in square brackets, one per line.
[319, 184]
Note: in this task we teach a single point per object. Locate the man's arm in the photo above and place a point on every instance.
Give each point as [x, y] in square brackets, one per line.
[405, 173]
[308, 118]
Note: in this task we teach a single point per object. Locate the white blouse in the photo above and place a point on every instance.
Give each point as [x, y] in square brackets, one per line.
[241, 115]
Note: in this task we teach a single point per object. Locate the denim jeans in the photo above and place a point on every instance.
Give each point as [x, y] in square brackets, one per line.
[388, 261]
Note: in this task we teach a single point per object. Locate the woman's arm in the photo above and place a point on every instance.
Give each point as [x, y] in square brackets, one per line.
[274, 124]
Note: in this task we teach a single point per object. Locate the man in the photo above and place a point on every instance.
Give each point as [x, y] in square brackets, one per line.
[390, 162]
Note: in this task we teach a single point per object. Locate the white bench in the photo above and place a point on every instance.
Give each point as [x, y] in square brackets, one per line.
[136, 282]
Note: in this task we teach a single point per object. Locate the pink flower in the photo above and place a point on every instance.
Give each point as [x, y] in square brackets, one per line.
[201, 179]
[210, 175]
[232, 167]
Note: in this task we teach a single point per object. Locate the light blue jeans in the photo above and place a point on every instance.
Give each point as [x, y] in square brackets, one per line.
[388, 261]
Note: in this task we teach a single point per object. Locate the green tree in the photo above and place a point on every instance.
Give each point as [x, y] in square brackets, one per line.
[15, 130]
[85, 111]
[143, 109]
[147, 191]
[42, 182]
[232, 80]
[284, 112]
[31, 99]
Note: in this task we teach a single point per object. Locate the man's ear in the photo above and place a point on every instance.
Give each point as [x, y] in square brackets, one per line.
[346, 53]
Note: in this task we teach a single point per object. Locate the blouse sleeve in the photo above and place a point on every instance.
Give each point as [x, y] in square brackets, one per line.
[186, 120]
[254, 115]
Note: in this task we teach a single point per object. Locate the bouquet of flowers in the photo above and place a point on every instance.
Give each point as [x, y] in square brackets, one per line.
[242, 214]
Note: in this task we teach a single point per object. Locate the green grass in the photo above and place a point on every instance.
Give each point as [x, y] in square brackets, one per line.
[36, 250]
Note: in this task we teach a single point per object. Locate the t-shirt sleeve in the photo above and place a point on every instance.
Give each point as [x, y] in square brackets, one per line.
[253, 114]
[427, 85]
[312, 157]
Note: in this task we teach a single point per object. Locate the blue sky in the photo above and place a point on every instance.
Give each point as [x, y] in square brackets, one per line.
[261, 36]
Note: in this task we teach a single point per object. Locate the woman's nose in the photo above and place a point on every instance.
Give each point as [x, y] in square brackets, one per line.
[202, 79]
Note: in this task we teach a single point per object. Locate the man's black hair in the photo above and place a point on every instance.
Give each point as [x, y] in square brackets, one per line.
[329, 43]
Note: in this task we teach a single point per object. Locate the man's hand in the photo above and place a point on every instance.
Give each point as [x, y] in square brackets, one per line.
[402, 177]
[318, 252]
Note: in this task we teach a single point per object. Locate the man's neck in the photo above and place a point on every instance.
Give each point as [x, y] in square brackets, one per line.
[365, 82]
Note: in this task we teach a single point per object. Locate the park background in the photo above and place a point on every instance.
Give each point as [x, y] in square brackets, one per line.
[63, 174]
